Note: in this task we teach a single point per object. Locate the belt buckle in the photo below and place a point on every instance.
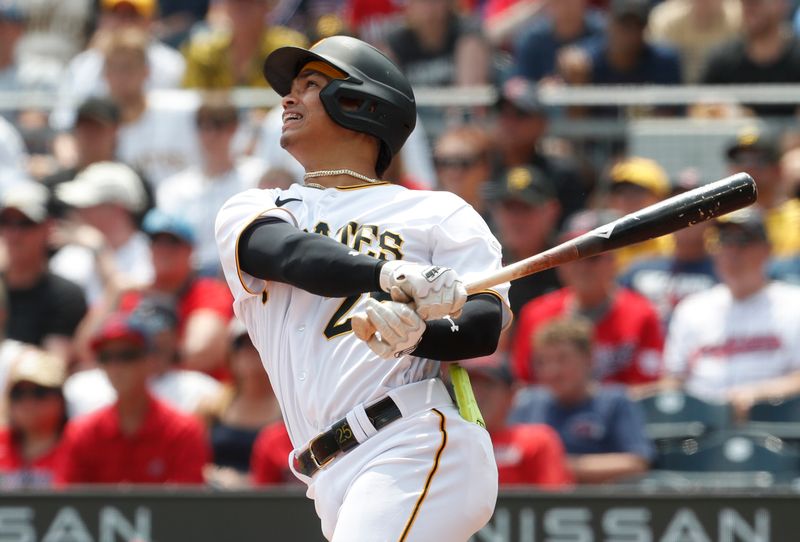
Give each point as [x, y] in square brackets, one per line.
[314, 457]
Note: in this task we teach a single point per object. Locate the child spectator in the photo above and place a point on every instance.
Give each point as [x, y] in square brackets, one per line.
[602, 430]
[526, 453]
[31, 444]
[138, 439]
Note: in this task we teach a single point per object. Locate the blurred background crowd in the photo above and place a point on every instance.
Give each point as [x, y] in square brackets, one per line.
[124, 127]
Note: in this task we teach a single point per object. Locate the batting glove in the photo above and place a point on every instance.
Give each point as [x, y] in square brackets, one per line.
[398, 329]
[436, 291]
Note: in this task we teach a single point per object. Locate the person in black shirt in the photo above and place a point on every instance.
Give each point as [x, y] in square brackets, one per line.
[767, 52]
[43, 309]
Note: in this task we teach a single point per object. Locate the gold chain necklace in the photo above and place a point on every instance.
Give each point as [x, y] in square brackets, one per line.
[334, 172]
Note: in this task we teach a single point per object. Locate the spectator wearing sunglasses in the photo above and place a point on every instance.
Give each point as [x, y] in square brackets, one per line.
[757, 151]
[462, 160]
[185, 390]
[199, 191]
[138, 439]
[44, 309]
[31, 444]
[737, 342]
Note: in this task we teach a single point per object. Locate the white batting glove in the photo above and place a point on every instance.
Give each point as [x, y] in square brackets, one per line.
[398, 329]
[436, 291]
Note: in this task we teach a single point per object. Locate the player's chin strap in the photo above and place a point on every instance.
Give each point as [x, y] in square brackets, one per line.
[333, 173]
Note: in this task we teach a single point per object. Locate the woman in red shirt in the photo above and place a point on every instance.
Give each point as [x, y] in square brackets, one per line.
[30, 446]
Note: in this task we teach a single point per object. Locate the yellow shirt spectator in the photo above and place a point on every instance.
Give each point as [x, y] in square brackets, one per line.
[208, 58]
[783, 228]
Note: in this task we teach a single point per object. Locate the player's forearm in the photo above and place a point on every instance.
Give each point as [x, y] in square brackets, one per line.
[277, 251]
[473, 334]
[600, 468]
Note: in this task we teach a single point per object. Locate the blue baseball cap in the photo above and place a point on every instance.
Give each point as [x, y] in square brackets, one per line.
[10, 10]
[157, 221]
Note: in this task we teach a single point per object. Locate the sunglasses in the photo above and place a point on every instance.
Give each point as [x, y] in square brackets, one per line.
[124, 356]
[18, 393]
[457, 162]
[17, 223]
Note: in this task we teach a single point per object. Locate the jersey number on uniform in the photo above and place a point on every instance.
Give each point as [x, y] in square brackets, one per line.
[339, 323]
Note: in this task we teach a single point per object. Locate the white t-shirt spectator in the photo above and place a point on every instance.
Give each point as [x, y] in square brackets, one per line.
[198, 198]
[13, 155]
[84, 78]
[87, 391]
[716, 343]
[162, 142]
[77, 264]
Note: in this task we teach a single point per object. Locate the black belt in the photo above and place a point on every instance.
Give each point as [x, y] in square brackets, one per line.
[340, 438]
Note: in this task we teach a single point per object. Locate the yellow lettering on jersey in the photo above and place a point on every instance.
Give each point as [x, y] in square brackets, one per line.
[391, 243]
[366, 235]
[347, 233]
[323, 229]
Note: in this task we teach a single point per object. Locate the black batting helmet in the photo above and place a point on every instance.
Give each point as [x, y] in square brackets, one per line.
[386, 110]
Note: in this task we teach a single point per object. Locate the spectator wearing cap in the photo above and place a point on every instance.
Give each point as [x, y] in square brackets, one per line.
[138, 439]
[526, 453]
[525, 214]
[203, 304]
[695, 28]
[44, 309]
[103, 246]
[628, 338]
[757, 151]
[155, 137]
[462, 158]
[522, 122]
[635, 183]
[31, 444]
[84, 74]
[601, 428]
[94, 138]
[184, 390]
[666, 280]
[242, 410]
[625, 55]
[199, 191]
[737, 342]
[767, 51]
[564, 23]
[233, 55]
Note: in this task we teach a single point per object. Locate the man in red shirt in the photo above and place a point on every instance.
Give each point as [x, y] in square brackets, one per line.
[525, 453]
[138, 439]
[628, 337]
[204, 305]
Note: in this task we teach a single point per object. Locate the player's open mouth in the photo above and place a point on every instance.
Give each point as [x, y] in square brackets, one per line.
[291, 116]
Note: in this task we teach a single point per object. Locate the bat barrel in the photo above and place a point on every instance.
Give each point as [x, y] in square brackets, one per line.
[672, 214]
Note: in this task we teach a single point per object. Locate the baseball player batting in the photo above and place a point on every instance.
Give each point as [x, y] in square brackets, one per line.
[380, 444]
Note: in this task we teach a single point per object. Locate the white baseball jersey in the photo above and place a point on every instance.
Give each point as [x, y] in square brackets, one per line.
[716, 342]
[318, 368]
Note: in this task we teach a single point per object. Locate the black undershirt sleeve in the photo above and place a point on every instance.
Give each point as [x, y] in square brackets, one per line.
[271, 249]
[478, 332]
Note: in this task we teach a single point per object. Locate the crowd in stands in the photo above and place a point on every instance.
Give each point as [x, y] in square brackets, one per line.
[120, 359]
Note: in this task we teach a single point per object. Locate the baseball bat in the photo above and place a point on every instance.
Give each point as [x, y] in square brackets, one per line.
[667, 216]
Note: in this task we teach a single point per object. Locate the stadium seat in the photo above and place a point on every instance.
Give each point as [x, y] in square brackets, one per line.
[672, 415]
[780, 418]
[732, 452]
